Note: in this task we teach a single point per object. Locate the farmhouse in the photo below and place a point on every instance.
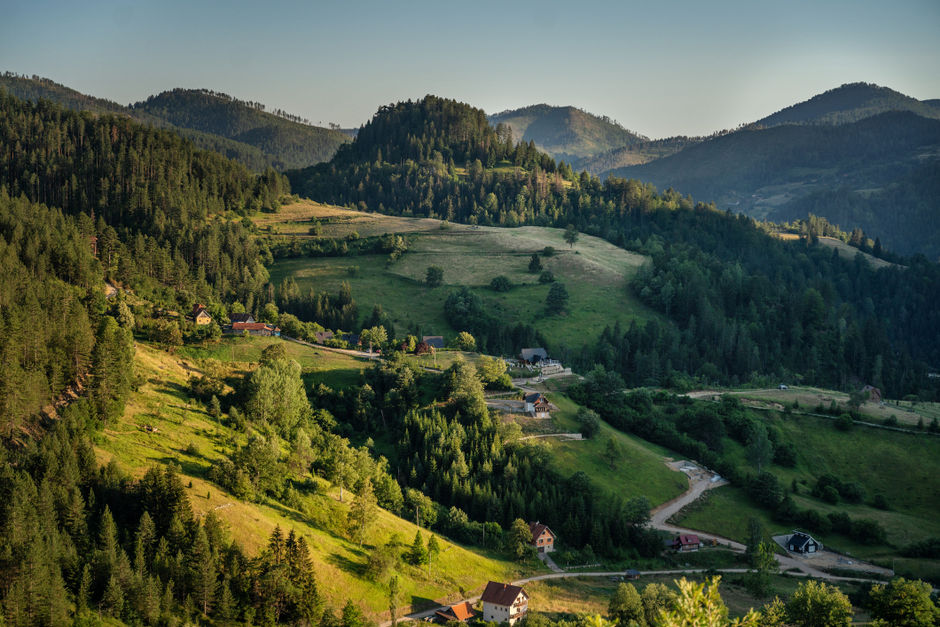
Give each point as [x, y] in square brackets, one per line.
[504, 603]
[543, 538]
[462, 612]
[241, 317]
[800, 542]
[532, 355]
[256, 328]
[434, 341]
[686, 542]
[536, 404]
[200, 315]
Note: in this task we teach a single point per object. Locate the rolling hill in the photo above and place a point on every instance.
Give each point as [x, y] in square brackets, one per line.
[849, 103]
[238, 130]
[566, 133]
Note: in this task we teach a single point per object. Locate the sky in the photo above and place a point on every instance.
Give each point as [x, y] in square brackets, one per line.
[660, 68]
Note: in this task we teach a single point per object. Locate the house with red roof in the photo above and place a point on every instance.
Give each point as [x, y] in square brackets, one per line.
[686, 542]
[504, 603]
[462, 612]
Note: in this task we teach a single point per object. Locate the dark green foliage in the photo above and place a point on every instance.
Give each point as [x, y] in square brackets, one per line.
[535, 264]
[501, 284]
[546, 277]
[589, 420]
[434, 277]
[557, 299]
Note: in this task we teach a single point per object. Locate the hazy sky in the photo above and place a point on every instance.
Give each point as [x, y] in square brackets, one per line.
[661, 67]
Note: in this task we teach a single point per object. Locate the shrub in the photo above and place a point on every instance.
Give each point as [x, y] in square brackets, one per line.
[590, 422]
[501, 284]
[844, 422]
[546, 277]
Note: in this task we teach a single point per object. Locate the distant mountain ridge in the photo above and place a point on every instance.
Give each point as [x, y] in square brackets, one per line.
[239, 130]
[566, 133]
[850, 103]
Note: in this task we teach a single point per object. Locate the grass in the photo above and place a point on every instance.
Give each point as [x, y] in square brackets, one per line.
[318, 365]
[641, 471]
[595, 273]
[901, 467]
[295, 220]
[907, 413]
[161, 402]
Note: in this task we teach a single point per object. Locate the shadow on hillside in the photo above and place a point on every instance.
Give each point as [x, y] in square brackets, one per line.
[422, 603]
[300, 518]
[187, 466]
[341, 561]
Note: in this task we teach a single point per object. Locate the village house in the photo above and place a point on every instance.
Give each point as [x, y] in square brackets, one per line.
[543, 538]
[872, 393]
[504, 603]
[434, 341]
[462, 612]
[256, 328]
[532, 355]
[800, 542]
[200, 316]
[686, 543]
[241, 317]
[537, 405]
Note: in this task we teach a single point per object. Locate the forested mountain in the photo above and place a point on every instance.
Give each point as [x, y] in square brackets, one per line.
[566, 133]
[634, 154]
[237, 130]
[759, 171]
[849, 103]
[740, 303]
[291, 142]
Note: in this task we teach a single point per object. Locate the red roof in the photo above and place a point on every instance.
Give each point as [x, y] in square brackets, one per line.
[686, 540]
[460, 612]
[501, 593]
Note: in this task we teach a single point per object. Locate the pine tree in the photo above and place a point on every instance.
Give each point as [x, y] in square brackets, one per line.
[113, 600]
[417, 555]
[202, 572]
[362, 513]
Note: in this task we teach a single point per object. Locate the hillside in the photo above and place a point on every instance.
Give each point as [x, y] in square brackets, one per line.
[635, 154]
[566, 133]
[162, 424]
[291, 143]
[244, 133]
[768, 172]
[849, 103]
[594, 272]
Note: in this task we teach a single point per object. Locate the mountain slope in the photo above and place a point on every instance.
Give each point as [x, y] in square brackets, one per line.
[757, 171]
[849, 103]
[293, 144]
[219, 123]
[566, 132]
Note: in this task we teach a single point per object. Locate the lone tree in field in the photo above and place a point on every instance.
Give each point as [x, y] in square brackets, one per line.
[535, 264]
[434, 276]
[557, 298]
[571, 235]
[375, 335]
[362, 513]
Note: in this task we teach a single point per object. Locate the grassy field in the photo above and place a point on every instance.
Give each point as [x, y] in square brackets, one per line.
[845, 251]
[641, 471]
[809, 398]
[296, 219]
[186, 435]
[595, 273]
[318, 365]
[901, 467]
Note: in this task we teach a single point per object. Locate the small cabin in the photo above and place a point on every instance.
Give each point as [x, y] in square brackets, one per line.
[537, 405]
[200, 315]
[461, 612]
[803, 543]
[434, 341]
[531, 356]
[241, 317]
[686, 543]
[256, 328]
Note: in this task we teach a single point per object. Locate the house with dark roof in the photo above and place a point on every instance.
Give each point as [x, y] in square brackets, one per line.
[321, 337]
[532, 355]
[800, 542]
[200, 315]
[462, 612]
[871, 393]
[434, 341]
[686, 542]
[543, 538]
[352, 339]
[504, 603]
[536, 404]
[241, 317]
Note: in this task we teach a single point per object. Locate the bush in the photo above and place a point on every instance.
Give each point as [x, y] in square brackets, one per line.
[501, 284]
[548, 251]
[590, 422]
[844, 422]
[546, 277]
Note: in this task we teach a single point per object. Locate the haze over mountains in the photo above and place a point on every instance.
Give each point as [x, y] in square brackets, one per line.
[860, 155]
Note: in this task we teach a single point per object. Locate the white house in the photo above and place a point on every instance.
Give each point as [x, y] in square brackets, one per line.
[504, 603]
